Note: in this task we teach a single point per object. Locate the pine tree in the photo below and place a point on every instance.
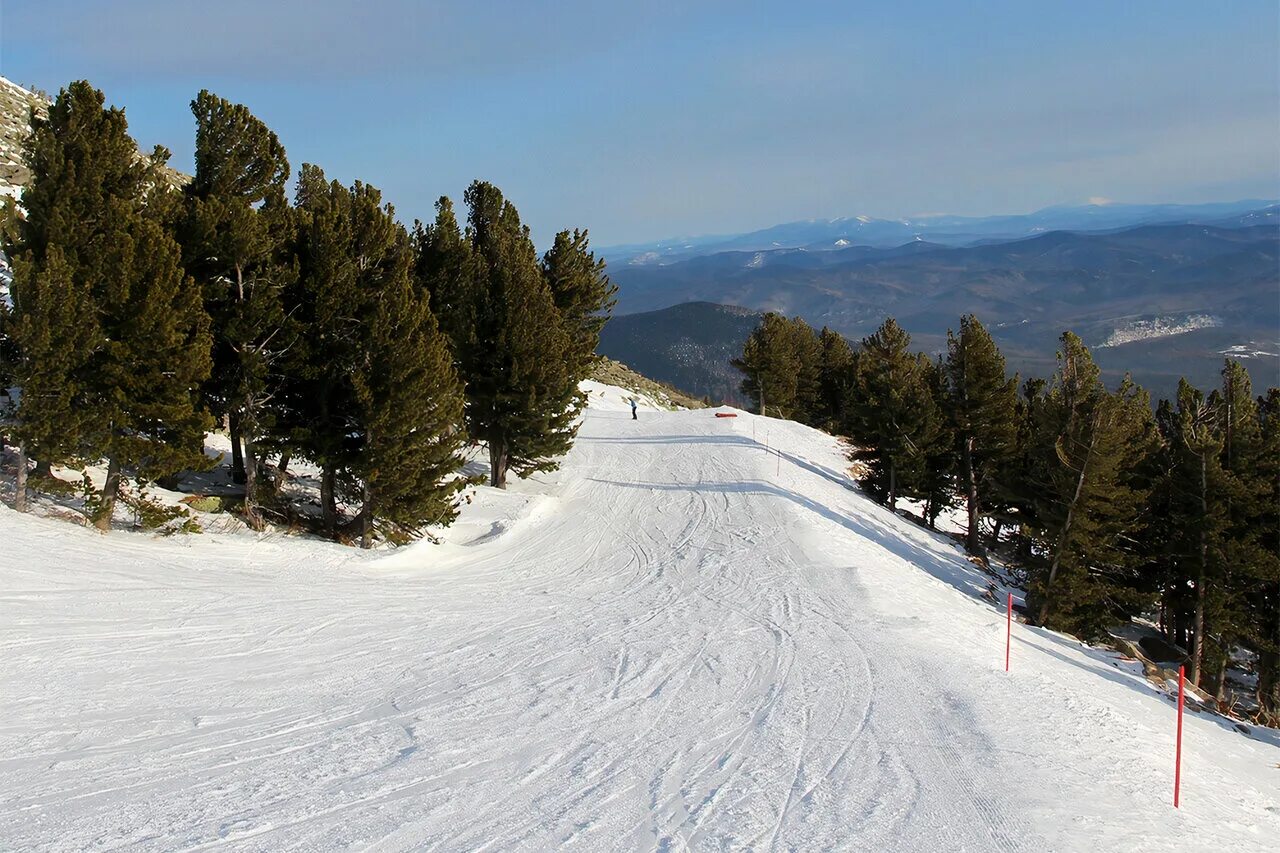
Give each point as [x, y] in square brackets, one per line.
[982, 405]
[447, 269]
[807, 408]
[316, 398]
[1197, 489]
[893, 418]
[834, 377]
[1090, 496]
[518, 361]
[1263, 573]
[237, 238]
[1247, 556]
[96, 260]
[583, 294]
[409, 402]
[371, 395]
[937, 483]
[1015, 488]
[771, 366]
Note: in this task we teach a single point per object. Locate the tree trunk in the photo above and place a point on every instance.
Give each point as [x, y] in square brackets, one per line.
[498, 460]
[1197, 651]
[252, 516]
[282, 472]
[43, 469]
[1221, 694]
[893, 488]
[1269, 687]
[1066, 530]
[20, 482]
[237, 453]
[366, 519]
[995, 532]
[973, 537]
[102, 520]
[328, 504]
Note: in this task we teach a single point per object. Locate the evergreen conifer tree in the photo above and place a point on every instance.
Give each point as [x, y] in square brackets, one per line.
[937, 483]
[516, 354]
[1263, 573]
[447, 269]
[1197, 490]
[237, 237]
[408, 399]
[834, 377]
[1090, 496]
[893, 419]
[807, 408]
[96, 263]
[771, 366]
[583, 294]
[371, 394]
[982, 405]
[316, 402]
[1247, 553]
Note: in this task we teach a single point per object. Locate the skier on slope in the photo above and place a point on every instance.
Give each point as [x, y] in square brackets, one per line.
[633, 409]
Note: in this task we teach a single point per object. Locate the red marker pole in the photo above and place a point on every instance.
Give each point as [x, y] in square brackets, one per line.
[1177, 766]
[1008, 630]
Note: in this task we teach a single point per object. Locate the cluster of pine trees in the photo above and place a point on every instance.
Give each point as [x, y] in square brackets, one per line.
[1112, 509]
[316, 328]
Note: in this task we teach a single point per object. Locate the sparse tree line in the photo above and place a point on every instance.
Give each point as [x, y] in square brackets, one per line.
[1110, 508]
[316, 328]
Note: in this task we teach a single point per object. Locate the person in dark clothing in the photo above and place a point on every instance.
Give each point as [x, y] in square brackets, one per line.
[633, 409]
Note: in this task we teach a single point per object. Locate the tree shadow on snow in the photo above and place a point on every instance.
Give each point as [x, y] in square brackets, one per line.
[944, 563]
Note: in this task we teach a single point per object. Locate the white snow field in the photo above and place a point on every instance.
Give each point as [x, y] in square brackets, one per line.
[677, 642]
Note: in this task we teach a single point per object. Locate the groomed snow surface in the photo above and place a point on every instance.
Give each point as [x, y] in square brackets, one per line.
[677, 642]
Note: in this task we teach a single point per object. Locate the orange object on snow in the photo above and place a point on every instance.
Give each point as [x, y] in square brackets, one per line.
[726, 414]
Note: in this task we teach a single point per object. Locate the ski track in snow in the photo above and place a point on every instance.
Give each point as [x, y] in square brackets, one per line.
[674, 648]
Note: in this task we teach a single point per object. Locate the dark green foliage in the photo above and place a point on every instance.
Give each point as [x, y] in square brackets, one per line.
[808, 352]
[770, 366]
[583, 294]
[782, 365]
[937, 485]
[835, 373]
[982, 404]
[894, 422]
[1090, 493]
[111, 336]
[1197, 491]
[519, 363]
[447, 268]
[324, 303]
[1262, 575]
[237, 235]
[405, 431]
[372, 397]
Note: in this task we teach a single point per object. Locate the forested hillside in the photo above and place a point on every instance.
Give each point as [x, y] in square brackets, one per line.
[1108, 511]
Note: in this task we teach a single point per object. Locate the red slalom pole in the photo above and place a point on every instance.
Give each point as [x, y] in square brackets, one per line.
[1008, 630]
[1177, 766]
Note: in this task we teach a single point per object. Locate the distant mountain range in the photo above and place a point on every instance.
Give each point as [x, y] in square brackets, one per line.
[688, 346]
[1160, 301]
[834, 234]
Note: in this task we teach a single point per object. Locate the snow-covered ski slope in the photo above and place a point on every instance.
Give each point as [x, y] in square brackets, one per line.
[674, 643]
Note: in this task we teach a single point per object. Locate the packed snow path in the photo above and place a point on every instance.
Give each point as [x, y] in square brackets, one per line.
[679, 641]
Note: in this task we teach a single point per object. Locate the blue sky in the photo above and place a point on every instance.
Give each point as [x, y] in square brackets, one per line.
[654, 119]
